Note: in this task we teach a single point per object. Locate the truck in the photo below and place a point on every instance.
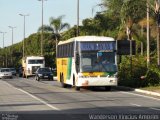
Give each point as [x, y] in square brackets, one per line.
[30, 64]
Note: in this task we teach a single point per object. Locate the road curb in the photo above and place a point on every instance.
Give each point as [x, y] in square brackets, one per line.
[148, 92]
[137, 90]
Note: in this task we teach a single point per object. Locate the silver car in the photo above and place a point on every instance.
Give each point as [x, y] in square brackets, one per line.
[5, 73]
[13, 71]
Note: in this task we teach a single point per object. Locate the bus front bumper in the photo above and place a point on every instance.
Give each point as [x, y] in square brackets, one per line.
[97, 81]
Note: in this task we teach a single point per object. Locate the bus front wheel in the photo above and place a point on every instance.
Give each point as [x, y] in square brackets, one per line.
[107, 88]
[77, 88]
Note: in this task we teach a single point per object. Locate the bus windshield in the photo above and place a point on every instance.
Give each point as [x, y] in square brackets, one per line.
[98, 62]
[35, 61]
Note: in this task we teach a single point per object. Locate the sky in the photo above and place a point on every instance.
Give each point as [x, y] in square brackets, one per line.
[10, 10]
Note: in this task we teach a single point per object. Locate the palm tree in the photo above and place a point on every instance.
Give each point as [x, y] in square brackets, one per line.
[46, 28]
[55, 27]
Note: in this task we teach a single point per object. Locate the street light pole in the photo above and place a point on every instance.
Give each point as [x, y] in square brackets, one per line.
[157, 10]
[3, 46]
[24, 16]
[77, 17]
[6, 56]
[12, 28]
[128, 31]
[3, 37]
[148, 44]
[42, 28]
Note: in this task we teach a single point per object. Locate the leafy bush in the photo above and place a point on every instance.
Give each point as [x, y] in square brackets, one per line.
[140, 76]
[153, 77]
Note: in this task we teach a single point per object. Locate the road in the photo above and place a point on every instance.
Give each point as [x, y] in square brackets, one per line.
[28, 96]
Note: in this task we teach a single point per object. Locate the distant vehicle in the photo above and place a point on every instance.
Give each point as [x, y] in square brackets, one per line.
[20, 72]
[5, 73]
[13, 70]
[44, 73]
[30, 64]
[87, 61]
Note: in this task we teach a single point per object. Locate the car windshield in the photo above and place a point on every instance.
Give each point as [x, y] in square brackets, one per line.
[12, 69]
[4, 70]
[44, 70]
[98, 62]
[35, 61]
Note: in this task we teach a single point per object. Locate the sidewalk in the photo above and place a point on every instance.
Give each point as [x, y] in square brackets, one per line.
[153, 93]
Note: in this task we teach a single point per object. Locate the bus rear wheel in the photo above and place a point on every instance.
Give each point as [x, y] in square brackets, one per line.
[23, 75]
[62, 82]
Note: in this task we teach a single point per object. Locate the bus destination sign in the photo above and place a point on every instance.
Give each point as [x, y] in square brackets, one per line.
[97, 46]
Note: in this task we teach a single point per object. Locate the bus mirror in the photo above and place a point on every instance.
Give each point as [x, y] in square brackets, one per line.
[99, 55]
[77, 59]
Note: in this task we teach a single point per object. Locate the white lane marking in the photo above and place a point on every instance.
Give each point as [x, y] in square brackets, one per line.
[140, 95]
[155, 109]
[49, 105]
[135, 104]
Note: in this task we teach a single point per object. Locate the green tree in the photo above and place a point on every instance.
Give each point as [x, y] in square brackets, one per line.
[56, 26]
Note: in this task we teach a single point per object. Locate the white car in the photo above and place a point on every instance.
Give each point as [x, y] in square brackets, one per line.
[5, 73]
[13, 71]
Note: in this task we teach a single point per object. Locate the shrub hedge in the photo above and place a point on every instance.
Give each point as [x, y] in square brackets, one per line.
[140, 75]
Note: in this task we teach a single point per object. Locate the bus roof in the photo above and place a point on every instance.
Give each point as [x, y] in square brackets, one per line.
[87, 38]
[34, 57]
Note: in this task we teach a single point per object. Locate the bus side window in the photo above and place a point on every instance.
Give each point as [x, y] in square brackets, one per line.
[62, 51]
[72, 50]
[58, 51]
[67, 50]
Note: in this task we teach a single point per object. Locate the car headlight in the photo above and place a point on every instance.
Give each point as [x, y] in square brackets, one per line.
[40, 75]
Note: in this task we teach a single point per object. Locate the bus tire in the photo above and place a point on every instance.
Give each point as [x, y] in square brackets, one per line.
[73, 80]
[74, 84]
[62, 82]
[23, 75]
[77, 88]
[107, 88]
[38, 79]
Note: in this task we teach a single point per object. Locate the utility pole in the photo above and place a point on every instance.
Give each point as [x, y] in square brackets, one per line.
[42, 28]
[24, 16]
[6, 56]
[12, 28]
[148, 43]
[3, 47]
[3, 37]
[130, 41]
[157, 9]
[77, 17]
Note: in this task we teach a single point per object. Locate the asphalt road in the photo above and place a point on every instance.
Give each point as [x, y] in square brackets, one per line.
[47, 98]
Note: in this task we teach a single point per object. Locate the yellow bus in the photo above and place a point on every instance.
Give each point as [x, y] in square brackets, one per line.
[87, 61]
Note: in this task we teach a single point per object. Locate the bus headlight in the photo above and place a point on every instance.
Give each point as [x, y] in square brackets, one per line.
[51, 74]
[112, 76]
[82, 76]
[112, 81]
[116, 75]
